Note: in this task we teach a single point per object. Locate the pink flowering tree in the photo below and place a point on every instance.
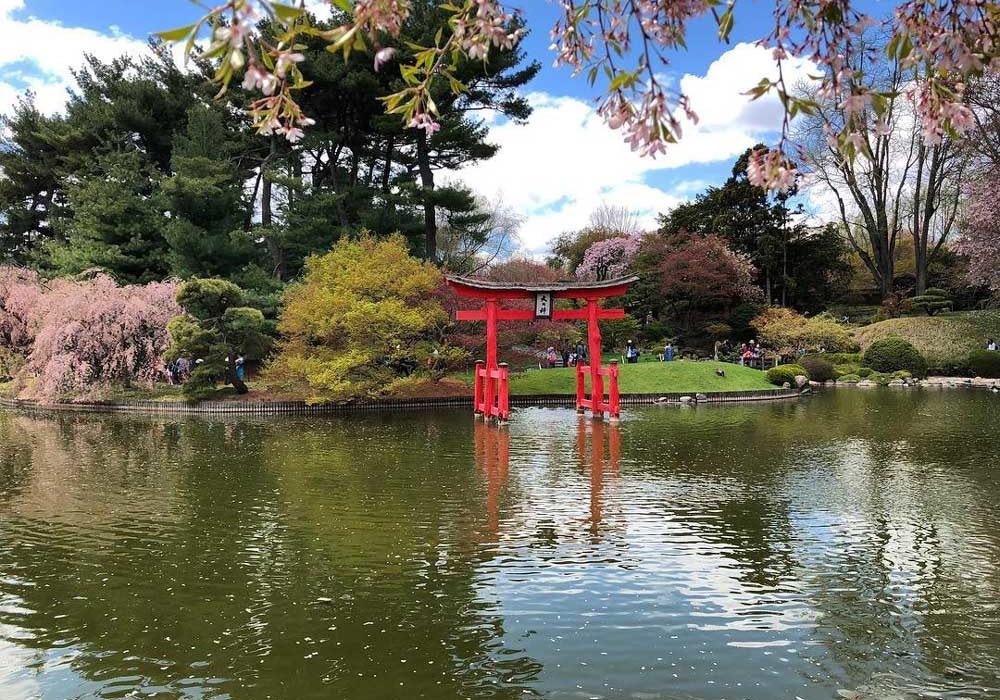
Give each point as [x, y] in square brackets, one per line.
[980, 230]
[609, 258]
[622, 46]
[93, 334]
[20, 293]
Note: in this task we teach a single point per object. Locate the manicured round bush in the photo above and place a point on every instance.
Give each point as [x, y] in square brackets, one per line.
[865, 372]
[849, 379]
[984, 363]
[785, 373]
[818, 369]
[891, 354]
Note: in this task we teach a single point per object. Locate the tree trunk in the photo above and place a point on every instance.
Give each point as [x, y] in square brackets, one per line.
[427, 183]
[886, 266]
[916, 230]
[920, 262]
[274, 248]
[784, 255]
[386, 173]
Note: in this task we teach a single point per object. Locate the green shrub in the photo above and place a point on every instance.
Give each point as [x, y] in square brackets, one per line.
[840, 370]
[879, 378]
[865, 372]
[818, 368]
[841, 358]
[785, 373]
[932, 301]
[890, 354]
[950, 368]
[902, 374]
[984, 363]
[849, 379]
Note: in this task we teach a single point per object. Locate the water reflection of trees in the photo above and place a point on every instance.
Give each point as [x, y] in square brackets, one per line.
[875, 510]
[301, 553]
[275, 558]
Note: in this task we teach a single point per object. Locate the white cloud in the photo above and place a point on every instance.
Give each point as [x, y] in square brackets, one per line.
[564, 162]
[40, 55]
[321, 9]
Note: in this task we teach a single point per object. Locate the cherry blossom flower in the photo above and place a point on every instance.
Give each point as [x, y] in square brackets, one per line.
[383, 56]
[425, 122]
[257, 78]
[285, 60]
[770, 169]
[292, 133]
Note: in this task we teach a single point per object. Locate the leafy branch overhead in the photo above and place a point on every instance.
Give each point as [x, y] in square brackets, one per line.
[621, 45]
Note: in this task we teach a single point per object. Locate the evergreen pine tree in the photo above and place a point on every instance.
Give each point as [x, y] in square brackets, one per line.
[205, 198]
[117, 222]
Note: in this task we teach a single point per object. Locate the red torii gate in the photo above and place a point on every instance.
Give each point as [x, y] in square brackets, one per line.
[491, 398]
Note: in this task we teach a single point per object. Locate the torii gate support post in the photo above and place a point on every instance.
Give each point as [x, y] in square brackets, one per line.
[596, 403]
[491, 395]
[594, 341]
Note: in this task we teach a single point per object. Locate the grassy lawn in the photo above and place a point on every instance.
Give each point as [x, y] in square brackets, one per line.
[648, 378]
[943, 339]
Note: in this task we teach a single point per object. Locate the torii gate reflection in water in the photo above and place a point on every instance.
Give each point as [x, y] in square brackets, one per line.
[492, 457]
[492, 397]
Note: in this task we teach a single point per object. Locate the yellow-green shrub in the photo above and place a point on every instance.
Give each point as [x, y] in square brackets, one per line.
[360, 321]
[785, 331]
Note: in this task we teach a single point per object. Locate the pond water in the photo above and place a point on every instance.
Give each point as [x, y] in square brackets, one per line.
[845, 545]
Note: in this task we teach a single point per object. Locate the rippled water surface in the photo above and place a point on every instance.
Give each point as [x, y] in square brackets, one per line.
[846, 545]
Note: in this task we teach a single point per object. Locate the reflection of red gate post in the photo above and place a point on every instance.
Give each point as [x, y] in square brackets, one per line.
[491, 379]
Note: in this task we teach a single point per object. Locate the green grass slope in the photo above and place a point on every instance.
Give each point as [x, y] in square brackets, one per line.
[647, 378]
[945, 340]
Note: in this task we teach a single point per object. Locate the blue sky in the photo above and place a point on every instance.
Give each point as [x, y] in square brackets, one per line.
[553, 171]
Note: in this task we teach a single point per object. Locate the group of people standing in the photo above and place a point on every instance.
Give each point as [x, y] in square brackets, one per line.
[752, 354]
[179, 371]
[570, 358]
